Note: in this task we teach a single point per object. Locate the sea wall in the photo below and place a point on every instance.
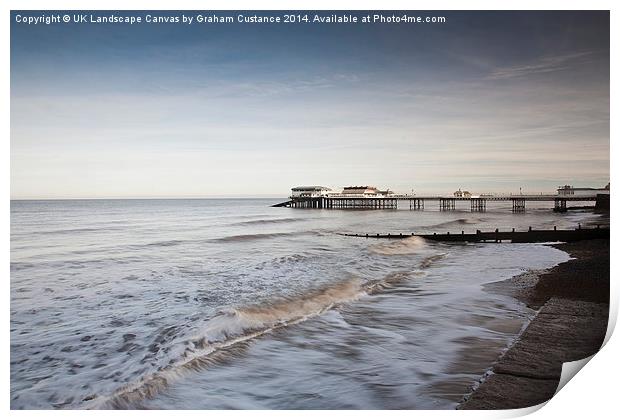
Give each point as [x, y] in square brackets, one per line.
[571, 325]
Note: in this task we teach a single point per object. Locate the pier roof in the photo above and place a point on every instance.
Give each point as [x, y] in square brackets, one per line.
[311, 188]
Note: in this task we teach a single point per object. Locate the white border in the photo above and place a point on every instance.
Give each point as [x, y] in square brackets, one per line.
[591, 393]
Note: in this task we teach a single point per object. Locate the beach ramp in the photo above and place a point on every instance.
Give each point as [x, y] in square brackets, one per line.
[283, 204]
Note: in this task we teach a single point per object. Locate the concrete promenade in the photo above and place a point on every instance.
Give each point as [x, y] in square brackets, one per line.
[570, 325]
[529, 372]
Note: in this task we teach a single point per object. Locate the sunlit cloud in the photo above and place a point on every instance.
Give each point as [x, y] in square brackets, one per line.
[547, 64]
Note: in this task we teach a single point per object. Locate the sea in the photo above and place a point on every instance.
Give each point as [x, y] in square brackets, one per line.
[233, 304]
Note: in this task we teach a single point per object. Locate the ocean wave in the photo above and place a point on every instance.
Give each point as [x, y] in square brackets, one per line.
[461, 221]
[232, 238]
[166, 243]
[229, 332]
[16, 266]
[410, 245]
[76, 230]
[259, 236]
[430, 260]
[389, 281]
[285, 260]
[267, 221]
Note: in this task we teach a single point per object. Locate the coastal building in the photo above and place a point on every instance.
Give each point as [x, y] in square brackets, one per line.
[310, 191]
[316, 191]
[570, 191]
[364, 191]
[385, 193]
[462, 194]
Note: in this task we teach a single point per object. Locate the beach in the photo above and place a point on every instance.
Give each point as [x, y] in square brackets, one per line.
[572, 300]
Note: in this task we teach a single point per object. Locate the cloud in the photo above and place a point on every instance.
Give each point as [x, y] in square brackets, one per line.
[543, 65]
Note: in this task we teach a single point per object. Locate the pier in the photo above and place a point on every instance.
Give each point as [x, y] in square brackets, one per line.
[476, 204]
[371, 198]
[529, 236]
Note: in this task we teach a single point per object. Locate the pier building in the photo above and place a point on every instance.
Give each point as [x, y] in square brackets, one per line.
[462, 194]
[569, 190]
[311, 191]
[364, 191]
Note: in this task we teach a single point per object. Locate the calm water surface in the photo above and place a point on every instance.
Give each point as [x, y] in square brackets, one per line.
[233, 304]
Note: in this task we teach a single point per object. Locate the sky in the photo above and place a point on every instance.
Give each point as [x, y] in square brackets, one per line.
[487, 102]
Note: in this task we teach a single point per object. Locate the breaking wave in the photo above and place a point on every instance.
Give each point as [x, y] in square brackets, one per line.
[462, 221]
[229, 332]
[411, 245]
[428, 261]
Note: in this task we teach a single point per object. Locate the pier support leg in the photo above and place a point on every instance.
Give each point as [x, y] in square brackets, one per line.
[447, 204]
[478, 204]
[418, 204]
[560, 205]
[518, 205]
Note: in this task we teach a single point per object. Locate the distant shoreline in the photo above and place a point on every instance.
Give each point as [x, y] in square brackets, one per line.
[146, 198]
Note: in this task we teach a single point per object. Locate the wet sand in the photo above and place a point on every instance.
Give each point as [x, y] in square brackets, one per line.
[573, 303]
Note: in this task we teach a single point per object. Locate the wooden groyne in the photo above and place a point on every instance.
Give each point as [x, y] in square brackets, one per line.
[529, 236]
